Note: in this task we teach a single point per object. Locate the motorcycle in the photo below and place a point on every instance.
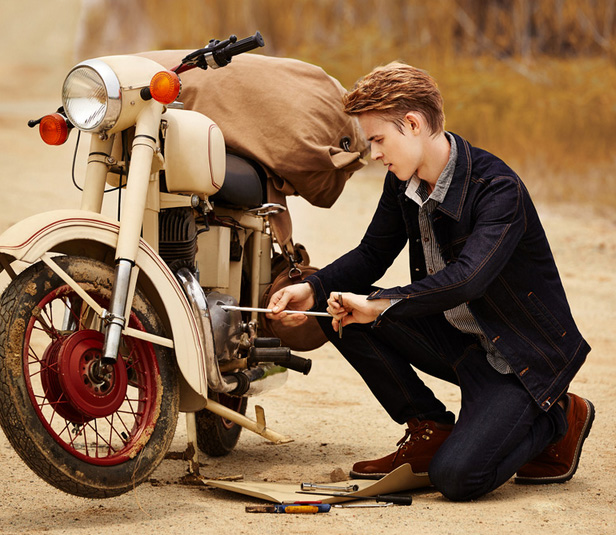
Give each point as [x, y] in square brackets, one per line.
[117, 326]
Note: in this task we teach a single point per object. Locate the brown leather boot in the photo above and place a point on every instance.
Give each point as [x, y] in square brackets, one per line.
[559, 461]
[416, 447]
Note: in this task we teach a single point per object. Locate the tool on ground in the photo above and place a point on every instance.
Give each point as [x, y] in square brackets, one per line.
[397, 499]
[290, 508]
[315, 486]
[363, 504]
[301, 502]
[269, 310]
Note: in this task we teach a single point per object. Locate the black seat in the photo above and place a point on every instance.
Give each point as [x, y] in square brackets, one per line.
[244, 184]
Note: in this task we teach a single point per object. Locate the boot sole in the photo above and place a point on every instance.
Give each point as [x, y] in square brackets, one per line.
[359, 475]
[590, 418]
[380, 475]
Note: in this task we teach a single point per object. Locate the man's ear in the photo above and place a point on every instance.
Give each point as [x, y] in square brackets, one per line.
[414, 122]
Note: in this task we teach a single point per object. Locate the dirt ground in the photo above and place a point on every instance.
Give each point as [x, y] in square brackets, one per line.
[330, 413]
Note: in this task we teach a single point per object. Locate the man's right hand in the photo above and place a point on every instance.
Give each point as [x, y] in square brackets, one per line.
[294, 297]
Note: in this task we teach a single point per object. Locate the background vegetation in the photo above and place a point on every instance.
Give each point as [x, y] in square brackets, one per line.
[533, 81]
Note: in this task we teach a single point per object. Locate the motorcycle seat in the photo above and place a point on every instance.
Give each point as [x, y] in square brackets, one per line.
[244, 184]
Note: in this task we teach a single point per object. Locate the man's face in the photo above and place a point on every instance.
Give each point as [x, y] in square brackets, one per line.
[400, 151]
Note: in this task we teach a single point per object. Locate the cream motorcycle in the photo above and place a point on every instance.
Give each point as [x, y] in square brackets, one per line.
[117, 326]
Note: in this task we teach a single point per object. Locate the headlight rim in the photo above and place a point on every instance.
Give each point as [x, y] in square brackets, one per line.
[113, 90]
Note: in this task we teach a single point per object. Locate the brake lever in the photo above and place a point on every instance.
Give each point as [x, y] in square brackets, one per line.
[198, 59]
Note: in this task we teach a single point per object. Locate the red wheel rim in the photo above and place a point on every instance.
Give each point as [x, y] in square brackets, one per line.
[101, 421]
[50, 380]
[91, 392]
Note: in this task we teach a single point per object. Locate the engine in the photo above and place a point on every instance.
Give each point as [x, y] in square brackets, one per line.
[226, 325]
[177, 238]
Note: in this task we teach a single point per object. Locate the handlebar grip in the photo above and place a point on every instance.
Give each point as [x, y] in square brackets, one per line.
[397, 499]
[267, 342]
[281, 356]
[245, 45]
[298, 364]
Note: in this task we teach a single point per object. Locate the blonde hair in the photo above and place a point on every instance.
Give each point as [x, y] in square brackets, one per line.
[394, 90]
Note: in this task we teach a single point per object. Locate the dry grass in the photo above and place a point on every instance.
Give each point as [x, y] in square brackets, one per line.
[558, 127]
[555, 123]
[534, 82]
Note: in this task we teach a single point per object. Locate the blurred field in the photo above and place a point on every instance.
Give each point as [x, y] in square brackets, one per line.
[532, 81]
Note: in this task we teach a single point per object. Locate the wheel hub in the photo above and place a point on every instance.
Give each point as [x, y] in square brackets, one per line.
[77, 383]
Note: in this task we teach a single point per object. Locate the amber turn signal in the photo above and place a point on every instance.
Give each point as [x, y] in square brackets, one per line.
[165, 87]
[53, 129]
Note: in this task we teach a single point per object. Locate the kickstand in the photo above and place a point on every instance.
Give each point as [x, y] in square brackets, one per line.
[192, 452]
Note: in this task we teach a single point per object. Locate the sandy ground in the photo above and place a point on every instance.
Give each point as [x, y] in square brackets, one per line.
[331, 415]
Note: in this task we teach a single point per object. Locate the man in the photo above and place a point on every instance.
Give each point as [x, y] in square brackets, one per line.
[486, 309]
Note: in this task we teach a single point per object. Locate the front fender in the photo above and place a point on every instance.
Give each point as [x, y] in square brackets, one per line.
[78, 232]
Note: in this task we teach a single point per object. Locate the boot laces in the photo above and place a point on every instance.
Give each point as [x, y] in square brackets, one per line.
[411, 436]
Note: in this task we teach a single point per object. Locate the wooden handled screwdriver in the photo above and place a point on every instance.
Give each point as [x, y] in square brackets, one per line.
[398, 499]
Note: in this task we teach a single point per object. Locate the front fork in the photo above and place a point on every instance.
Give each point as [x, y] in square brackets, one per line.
[143, 151]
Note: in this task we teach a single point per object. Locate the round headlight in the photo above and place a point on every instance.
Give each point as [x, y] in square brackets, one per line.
[92, 96]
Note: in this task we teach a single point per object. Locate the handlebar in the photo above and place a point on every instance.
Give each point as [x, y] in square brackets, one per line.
[219, 53]
[241, 46]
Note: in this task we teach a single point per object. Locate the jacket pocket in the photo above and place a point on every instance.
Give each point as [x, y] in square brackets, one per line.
[545, 318]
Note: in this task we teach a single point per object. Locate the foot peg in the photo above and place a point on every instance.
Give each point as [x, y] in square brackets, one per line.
[269, 350]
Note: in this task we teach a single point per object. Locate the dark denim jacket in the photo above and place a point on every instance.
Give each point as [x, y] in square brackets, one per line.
[498, 260]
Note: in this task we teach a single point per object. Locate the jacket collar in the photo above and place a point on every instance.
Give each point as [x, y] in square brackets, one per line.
[456, 194]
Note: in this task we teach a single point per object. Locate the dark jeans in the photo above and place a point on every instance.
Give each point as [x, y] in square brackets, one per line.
[499, 427]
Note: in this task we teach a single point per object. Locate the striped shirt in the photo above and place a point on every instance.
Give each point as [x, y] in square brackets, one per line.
[460, 316]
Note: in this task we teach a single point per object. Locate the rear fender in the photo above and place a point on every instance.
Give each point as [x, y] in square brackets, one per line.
[78, 232]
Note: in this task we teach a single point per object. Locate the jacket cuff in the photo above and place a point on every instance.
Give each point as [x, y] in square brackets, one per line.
[320, 294]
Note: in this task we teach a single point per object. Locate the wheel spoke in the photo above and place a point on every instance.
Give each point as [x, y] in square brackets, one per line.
[111, 431]
[123, 436]
[35, 358]
[99, 437]
[46, 327]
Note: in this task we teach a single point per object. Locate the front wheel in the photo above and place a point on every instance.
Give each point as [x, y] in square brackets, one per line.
[88, 429]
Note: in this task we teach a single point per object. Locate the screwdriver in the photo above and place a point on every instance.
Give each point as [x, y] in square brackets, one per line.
[269, 310]
[398, 499]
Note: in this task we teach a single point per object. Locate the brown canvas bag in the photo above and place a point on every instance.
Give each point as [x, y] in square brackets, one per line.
[284, 113]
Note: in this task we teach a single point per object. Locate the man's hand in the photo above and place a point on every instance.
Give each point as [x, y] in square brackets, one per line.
[294, 297]
[354, 308]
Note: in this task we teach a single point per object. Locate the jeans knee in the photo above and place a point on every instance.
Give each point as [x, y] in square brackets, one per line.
[455, 481]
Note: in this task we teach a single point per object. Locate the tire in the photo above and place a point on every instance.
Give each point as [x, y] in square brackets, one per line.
[89, 433]
[217, 436]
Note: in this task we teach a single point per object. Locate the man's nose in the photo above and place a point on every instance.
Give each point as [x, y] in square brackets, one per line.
[375, 154]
